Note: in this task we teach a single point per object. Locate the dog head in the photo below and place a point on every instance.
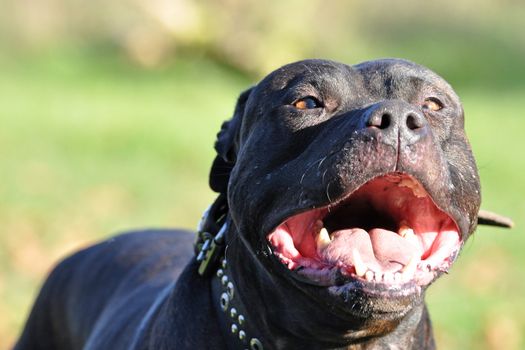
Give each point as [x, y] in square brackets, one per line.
[354, 184]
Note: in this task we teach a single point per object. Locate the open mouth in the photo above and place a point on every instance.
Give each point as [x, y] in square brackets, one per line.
[388, 232]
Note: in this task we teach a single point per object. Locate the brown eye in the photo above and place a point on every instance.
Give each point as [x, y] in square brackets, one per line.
[308, 102]
[432, 104]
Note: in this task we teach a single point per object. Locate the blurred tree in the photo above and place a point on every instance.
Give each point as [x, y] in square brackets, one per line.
[256, 38]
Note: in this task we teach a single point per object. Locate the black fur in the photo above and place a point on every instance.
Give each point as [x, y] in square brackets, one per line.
[273, 161]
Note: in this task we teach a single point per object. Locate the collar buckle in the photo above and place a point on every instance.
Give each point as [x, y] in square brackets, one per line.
[210, 246]
[211, 251]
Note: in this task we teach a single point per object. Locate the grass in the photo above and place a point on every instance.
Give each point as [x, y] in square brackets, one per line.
[91, 145]
[480, 305]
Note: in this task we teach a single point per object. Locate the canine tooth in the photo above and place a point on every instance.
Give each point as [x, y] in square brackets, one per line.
[322, 239]
[405, 231]
[411, 267]
[369, 275]
[360, 266]
[443, 247]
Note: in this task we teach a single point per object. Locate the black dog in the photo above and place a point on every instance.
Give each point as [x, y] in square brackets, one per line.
[344, 192]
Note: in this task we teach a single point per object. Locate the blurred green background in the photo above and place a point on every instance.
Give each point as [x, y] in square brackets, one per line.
[109, 111]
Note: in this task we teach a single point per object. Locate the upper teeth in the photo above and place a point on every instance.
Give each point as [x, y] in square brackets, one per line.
[322, 239]
[405, 231]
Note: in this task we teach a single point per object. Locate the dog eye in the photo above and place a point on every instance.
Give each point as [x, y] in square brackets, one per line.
[308, 102]
[432, 104]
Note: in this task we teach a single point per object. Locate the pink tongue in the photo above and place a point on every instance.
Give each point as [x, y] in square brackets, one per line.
[391, 247]
[380, 250]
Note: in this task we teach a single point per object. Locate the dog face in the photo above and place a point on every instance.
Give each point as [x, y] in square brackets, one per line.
[355, 183]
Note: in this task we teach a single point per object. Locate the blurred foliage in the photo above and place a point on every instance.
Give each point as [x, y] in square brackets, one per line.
[450, 36]
[109, 110]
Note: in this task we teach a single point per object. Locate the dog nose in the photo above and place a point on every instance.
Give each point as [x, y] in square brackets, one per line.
[396, 120]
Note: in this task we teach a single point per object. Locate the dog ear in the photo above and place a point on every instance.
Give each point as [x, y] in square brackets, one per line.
[486, 217]
[227, 146]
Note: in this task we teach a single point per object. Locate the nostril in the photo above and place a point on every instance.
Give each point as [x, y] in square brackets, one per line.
[380, 121]
[385, 121]
[413, 122]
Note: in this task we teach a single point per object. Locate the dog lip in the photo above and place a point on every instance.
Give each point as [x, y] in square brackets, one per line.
[385, 302]
[396, 297]
[331, 203]
[380, 290]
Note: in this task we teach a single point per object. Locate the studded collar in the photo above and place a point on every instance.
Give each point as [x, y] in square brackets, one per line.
[231, 312]
[210, 252]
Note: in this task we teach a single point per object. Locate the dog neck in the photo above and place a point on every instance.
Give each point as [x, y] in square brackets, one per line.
[280, 315]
